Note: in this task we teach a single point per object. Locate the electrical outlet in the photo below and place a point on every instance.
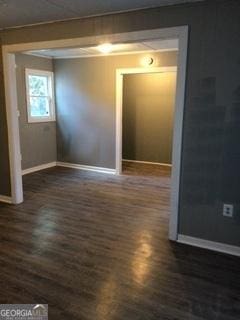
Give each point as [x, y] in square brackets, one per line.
[228, 210]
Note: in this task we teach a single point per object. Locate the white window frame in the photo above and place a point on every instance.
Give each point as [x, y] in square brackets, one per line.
[52, 114]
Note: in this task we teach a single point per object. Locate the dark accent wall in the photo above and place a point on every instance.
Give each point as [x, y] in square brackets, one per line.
[5, 185]
[148, 113]
[38, 140]
[210, 171]
[85, 99]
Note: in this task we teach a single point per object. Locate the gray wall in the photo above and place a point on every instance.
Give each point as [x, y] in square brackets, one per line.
[5, 186]
[85, 98]
[38, 140]
[148, 110]
[210, 171]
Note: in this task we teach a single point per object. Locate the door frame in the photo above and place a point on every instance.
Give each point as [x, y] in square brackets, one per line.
[119, 103]
[8, 51]
[177, 132]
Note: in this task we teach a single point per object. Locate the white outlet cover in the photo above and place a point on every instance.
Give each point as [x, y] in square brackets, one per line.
[228, 210]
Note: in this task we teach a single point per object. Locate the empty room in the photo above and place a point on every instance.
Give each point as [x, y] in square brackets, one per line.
[119, 162]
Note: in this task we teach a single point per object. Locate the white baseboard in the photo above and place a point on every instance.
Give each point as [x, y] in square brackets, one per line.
[5, 199]
[38, 168]
[84, 167]
[210, 245]
[148, 162]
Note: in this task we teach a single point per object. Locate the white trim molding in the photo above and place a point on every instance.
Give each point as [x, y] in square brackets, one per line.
[149, 162]
[39, 168]
[181, 34]
[177, 132]
[119, 103]
[85, 167]
[5, 199]
[114, 38]
[209, 245]
[13, 127]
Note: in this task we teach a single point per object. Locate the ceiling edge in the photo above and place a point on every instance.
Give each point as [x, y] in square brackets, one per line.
[193, 2]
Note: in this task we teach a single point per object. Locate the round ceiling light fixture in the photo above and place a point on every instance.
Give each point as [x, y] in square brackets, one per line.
[105, 48]
[147, 61]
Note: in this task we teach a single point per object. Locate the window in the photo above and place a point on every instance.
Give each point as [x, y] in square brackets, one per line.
[40, 96]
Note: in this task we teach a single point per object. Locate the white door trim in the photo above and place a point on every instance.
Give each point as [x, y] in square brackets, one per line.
[13, 127]
[8, 51]
[177, 133]
[132, 36]
[119, 103]
[178, 124]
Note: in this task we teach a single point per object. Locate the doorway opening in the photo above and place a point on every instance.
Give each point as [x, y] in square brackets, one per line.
[9, 51]
[146, 101]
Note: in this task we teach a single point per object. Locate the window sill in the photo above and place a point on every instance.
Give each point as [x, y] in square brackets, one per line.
[41, 121]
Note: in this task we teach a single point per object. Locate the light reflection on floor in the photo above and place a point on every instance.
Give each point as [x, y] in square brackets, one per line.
[140, 263]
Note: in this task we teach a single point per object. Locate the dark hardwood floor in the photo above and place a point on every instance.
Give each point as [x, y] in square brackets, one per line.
[94, 246]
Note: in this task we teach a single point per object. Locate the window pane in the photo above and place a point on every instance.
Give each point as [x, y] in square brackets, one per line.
[39, 107]
[38, 85]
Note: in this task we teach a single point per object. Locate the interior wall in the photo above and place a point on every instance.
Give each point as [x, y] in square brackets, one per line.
[210, 171]
[148, 113]
[5, 185]
[38, 140]
[86, 106]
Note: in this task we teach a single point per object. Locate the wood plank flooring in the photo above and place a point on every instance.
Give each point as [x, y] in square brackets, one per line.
[94, 247]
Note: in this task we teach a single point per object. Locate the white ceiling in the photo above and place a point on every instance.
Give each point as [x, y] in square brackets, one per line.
[24, 12]
[117, 49]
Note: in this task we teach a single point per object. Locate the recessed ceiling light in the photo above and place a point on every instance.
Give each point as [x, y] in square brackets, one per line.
[105, 48]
